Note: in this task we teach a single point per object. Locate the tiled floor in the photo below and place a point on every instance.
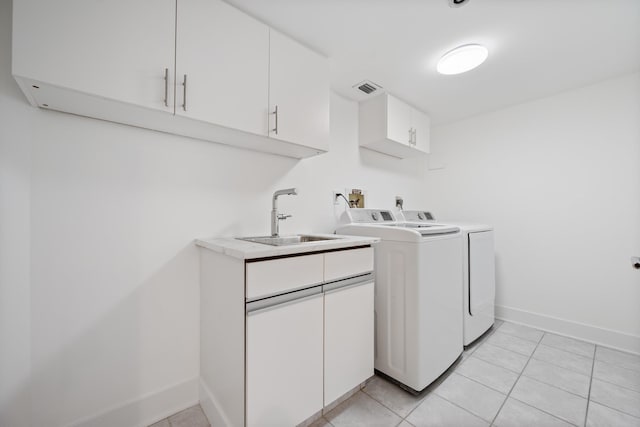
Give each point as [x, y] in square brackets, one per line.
[513, 376]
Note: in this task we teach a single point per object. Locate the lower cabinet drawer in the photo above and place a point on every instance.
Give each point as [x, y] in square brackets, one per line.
[266, 278]
[284, 357]
[341, 264]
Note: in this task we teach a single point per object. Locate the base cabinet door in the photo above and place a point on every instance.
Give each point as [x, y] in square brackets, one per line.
[348, 339]
[284, 363]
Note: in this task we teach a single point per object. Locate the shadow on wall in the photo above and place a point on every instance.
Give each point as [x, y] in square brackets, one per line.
[121, 356]
[411, 167]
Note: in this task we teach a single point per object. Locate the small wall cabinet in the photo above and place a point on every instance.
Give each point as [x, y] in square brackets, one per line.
[302, 324]
[198, 68]
[391, 126]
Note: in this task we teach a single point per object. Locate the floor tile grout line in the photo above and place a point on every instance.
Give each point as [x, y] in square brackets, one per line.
[619, 366]
[382, 403]
[615, 384]
[443, 398]
[560, 366]
[568, 351]
[555, 386]
[516, 382]
[520, 338]
[593, 364]
[458, 406]
[543, 411]
[495, 364]
[617, 410]
[479, 344]
[481, 383]
[504, 348]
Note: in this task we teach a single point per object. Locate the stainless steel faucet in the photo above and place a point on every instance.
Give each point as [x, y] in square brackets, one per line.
[275, 217]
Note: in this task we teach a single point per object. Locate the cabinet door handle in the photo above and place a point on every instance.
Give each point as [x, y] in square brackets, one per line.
[166, 87]
[275, 111]
[184, 93]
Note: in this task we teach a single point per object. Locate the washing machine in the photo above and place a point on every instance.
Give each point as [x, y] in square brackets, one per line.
[418, 295]
[478, 272]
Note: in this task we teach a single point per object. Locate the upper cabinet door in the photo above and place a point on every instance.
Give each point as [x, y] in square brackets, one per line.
[421, 127]
[116, 49]
[224, 55]
[399, 120]
[299, 89]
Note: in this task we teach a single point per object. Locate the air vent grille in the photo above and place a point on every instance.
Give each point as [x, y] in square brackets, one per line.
[367, 87]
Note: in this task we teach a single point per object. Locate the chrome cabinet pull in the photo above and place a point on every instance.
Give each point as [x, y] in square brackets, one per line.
[276, 114]
[184, 93]
[166, 87]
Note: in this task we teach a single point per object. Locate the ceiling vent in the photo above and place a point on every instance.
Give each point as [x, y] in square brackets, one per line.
[457, 3]
[367, 87]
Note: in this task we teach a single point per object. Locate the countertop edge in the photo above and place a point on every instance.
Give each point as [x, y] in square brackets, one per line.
[248, 250]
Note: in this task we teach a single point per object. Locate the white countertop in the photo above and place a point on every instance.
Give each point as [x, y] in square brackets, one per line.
[248, 250]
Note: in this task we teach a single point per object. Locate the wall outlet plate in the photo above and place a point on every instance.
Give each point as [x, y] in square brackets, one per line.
[336, 196]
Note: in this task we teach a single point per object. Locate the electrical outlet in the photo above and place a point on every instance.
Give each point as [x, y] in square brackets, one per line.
[336, 196]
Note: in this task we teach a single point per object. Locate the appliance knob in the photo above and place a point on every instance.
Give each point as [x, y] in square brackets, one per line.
[374, 216]
[420, 215]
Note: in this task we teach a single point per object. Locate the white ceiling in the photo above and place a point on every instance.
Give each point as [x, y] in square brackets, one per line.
[536, 47]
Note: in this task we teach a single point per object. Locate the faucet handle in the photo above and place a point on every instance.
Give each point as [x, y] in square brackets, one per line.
[283, 216]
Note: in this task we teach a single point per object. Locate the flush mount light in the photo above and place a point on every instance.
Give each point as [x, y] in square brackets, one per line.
[462, 59]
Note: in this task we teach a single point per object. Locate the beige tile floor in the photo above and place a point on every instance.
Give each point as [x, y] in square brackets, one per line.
[512, 376]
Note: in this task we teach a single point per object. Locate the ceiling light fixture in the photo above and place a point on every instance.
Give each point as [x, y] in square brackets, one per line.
[462, 59]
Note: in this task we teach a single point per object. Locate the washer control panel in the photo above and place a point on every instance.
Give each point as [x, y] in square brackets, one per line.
[418, 216]
[371, 216]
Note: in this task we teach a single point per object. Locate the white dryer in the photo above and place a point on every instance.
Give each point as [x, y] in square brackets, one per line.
[418, 294]
[478, 271]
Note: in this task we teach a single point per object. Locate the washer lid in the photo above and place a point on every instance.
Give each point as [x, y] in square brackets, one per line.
[430, 229]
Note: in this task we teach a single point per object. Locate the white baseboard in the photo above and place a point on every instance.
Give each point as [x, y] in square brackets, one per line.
[211, 407]
[601, 336]
[147, 409]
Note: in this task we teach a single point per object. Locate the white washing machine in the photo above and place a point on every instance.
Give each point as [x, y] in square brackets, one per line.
[418, 295]
[478, 271]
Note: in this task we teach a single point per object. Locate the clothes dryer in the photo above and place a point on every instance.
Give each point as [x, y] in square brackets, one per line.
[478, 272]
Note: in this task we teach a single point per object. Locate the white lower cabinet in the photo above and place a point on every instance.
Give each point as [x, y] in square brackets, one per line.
[284, 363]
[308, 334]
[348, 339]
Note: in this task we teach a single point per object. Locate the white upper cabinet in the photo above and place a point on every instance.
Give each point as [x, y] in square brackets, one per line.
[391, 126]
[421, 124]
[219, 72]
[398, 120]
[299, 92]
[224, 55]
[117, 49]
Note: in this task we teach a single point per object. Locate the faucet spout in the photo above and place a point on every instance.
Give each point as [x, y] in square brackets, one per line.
[285, 192]
[275, 218]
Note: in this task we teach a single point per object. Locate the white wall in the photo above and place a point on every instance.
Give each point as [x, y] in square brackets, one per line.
[15, 148]
[559, 179]
[113, 297]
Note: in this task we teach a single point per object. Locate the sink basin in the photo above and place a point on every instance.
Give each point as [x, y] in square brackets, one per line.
[287, 240]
